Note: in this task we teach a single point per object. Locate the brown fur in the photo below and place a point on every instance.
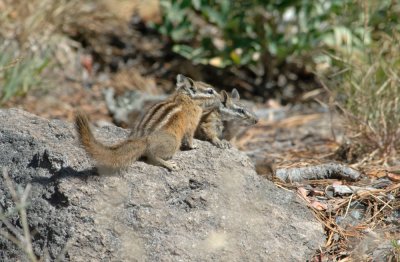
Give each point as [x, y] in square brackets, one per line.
[159, 142]
[210, 128]
[110, 156]
[158, 113]
[224, 121]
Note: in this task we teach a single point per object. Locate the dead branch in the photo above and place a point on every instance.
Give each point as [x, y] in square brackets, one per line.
[321, 171]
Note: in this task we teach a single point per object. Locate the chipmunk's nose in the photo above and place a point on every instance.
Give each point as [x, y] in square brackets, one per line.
[255, 121]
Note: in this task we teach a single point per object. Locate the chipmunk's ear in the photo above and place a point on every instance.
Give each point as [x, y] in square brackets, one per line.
[235, 95]
[224, 97]
[183, 82]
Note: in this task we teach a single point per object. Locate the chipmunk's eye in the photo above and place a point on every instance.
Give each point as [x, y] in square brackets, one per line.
[241, 111]
[192, 89]
[210, 91]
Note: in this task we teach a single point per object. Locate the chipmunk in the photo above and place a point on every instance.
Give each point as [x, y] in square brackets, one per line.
[224, 120]
[160, 132]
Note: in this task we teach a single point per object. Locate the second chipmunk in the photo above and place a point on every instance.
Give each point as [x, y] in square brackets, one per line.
[160, 132]
[224, 121]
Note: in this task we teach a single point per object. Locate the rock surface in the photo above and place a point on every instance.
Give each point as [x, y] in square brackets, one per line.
[215, 208]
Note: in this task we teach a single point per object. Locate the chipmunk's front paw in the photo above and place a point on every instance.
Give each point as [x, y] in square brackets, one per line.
[188, 146]
[193, 146]
[171, 165]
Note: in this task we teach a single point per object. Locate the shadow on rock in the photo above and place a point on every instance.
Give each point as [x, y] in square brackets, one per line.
[66, 173]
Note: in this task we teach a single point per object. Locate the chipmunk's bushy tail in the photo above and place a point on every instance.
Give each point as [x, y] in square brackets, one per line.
[114, 156]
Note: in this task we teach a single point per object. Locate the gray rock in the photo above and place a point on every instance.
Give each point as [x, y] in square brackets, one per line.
[214, 208]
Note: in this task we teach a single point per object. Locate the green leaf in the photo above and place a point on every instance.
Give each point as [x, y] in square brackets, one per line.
[196, 4]
[215, 16]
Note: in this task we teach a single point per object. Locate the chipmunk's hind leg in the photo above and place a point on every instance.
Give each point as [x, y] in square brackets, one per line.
[157, 161]
[161, 148]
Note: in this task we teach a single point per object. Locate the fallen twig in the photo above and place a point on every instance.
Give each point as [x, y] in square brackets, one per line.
[321, 171]
[340, 190]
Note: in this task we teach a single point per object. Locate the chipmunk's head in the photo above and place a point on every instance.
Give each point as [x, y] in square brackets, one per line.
[204, 94]
[231, 109]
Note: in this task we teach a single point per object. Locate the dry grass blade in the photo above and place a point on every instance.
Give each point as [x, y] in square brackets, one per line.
[14, 230]
[11, 64]
[12, 238]
[348, 206]
[10, 186]
[22, 240]
[377, 213]
[62, 253]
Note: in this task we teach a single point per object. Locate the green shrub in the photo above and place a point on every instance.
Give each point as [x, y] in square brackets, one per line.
[358, 41]
[227, 32]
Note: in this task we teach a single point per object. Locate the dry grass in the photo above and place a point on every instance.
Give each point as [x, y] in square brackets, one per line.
[34, 38]
[369, 97]
[14, 234]
[149, 10]
[22, 237]
[29, 36]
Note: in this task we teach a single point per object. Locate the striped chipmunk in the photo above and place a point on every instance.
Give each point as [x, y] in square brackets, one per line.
[160, 132]
[225, 120]
[219, 123]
